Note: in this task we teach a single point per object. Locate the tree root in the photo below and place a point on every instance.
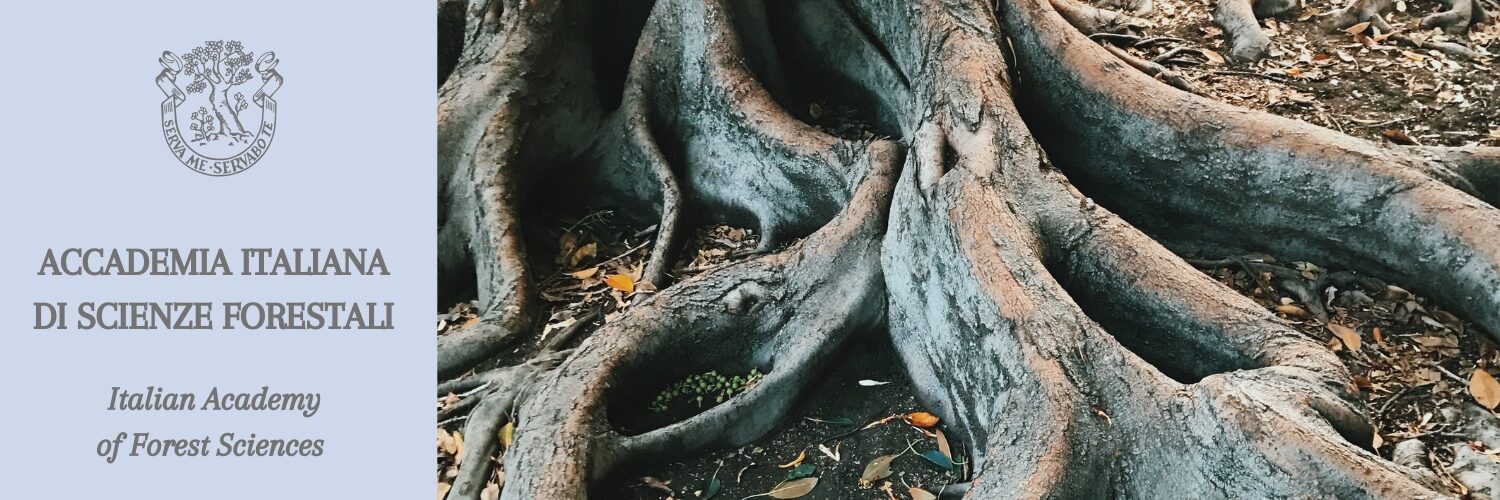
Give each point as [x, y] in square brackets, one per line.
[1242, 33]
[1074, 355]
[482, 430]
[1153, 69]
[1456, 50]
[1006, 333]
[486, 159]
[1461, 14]
[1475, 170]
[1093, 20]
[1359, 11]
[1353, 204]
[736, 316]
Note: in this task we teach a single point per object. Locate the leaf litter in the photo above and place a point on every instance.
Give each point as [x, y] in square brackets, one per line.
[1424, 373]
[1352, 79]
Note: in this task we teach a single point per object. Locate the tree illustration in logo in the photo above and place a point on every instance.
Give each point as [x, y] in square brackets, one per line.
[217, 67]
[203, 125]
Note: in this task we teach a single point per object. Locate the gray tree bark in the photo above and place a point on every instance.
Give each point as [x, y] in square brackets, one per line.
[995, 231]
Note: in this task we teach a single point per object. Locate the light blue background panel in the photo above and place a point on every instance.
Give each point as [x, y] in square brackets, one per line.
[86, 165]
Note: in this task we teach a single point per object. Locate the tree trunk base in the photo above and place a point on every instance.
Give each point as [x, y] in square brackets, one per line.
[1075, 355]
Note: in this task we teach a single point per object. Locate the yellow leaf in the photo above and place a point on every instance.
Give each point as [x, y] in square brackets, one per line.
[1358, 28]
[922, 419]
[620, 282]
[796, 461]
[1293, 311]
[584, 253]
[586, 273]
[458, 448]
[920, 494]
[445, 442]
[507, 435]
[1484, 388]
[942, 444]
[1347, 335]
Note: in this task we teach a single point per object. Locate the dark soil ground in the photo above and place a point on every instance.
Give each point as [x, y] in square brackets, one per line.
[837, 398]
[1384, 91]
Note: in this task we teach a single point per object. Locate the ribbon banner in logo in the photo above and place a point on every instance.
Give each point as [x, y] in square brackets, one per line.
[219, 166]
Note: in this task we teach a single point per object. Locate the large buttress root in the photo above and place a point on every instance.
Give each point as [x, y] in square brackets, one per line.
[492, 139]
[1205, 177]
[740, 316]
[1075, 355]
[694, 117]
[1058, 406]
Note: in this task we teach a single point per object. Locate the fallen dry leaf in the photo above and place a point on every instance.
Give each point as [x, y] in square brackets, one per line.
[796, 461]
[877, 469]
[1292, 311]
[1398, 137]
[880, 422]
[1212, 56]
[793, 489]
[920, 494]
[1484, 388]
[833, 453]
[458, 448]
[922, 419]
[620, 282]
[658, 484]
[445, 442]
[1347, 335]
[507, 435]
[942, 444]
[583, 253]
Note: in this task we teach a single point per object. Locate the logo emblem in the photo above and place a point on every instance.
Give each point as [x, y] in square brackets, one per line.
[219, 117]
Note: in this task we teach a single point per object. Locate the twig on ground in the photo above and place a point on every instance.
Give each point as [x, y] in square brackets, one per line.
[1229, 72]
